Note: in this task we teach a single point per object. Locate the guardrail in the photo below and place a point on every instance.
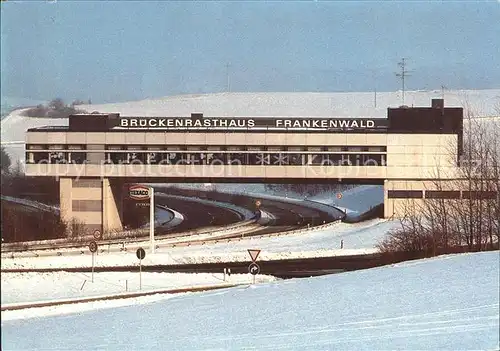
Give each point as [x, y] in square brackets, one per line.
[16, 247]
[34, 204]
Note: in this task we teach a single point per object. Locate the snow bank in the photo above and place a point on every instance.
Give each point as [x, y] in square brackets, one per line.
[354, 202]
[444, 303]
[35, 204]
[31, 287]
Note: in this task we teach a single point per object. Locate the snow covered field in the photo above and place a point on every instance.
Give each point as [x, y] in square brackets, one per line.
[299, 104]
[443, 303]
[31, 287]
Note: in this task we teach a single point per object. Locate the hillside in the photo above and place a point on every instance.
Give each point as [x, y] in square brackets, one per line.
[443, 303]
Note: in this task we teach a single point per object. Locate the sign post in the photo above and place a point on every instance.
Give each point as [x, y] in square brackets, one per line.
[152, 219]
[140, 255]
[93, 249]
[97, 234]
[254, 268]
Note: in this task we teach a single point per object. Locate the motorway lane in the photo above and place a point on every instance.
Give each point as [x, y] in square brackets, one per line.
[197, 215]
[290, 216]
[286, 216]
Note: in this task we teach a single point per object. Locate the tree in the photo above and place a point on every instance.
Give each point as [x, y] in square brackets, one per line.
[57, 104]
[77, 102]
[5, 160]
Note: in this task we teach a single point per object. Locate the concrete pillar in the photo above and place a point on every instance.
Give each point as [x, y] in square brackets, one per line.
[91, 204]
[388, 203]
[65, 198]
[111, 220]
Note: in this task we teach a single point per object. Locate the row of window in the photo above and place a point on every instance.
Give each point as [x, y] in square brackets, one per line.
[226, 148]
[441, 194]
[200, 158]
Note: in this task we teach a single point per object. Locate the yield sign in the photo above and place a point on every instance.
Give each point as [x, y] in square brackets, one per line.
[254, 253]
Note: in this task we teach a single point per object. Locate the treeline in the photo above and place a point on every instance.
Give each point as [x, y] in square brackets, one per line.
[41, 189]
[56, 108]
[21, 224]
[471, 222]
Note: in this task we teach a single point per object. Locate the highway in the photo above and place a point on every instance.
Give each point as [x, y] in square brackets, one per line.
[204, 221]
[197, 215]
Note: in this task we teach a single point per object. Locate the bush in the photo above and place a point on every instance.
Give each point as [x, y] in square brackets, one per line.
[55, 109]
[407, 240]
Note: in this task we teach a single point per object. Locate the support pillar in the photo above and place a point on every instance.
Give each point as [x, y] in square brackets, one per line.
[110, 208]
[65, 199]
[88, 205]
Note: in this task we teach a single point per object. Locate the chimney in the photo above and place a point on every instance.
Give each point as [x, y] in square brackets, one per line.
[438, 103]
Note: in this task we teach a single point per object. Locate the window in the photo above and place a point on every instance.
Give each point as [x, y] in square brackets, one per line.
[479, 195]
[405, 194]
[36, 147]
[435, 194]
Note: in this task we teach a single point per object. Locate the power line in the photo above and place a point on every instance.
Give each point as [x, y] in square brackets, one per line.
[403, 74]
[228, 87]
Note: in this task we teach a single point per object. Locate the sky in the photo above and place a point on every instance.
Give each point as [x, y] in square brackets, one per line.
[110, 51]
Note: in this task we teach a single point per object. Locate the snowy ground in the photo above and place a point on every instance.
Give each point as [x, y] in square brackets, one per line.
[444, 303]
[31, 287]
[359, 238]
[354, 202]
[298, 104]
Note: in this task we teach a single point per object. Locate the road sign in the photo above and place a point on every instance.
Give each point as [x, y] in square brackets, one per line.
[253, 268]
[254, 253]
[97, 234]
[140, 253]
[93, 246]
[339, 196]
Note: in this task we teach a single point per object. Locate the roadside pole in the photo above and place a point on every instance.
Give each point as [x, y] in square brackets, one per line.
[140, 253]
[93, 249]
[152, 219]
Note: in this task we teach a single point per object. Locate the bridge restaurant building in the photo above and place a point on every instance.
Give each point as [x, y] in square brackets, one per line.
[409, 152]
